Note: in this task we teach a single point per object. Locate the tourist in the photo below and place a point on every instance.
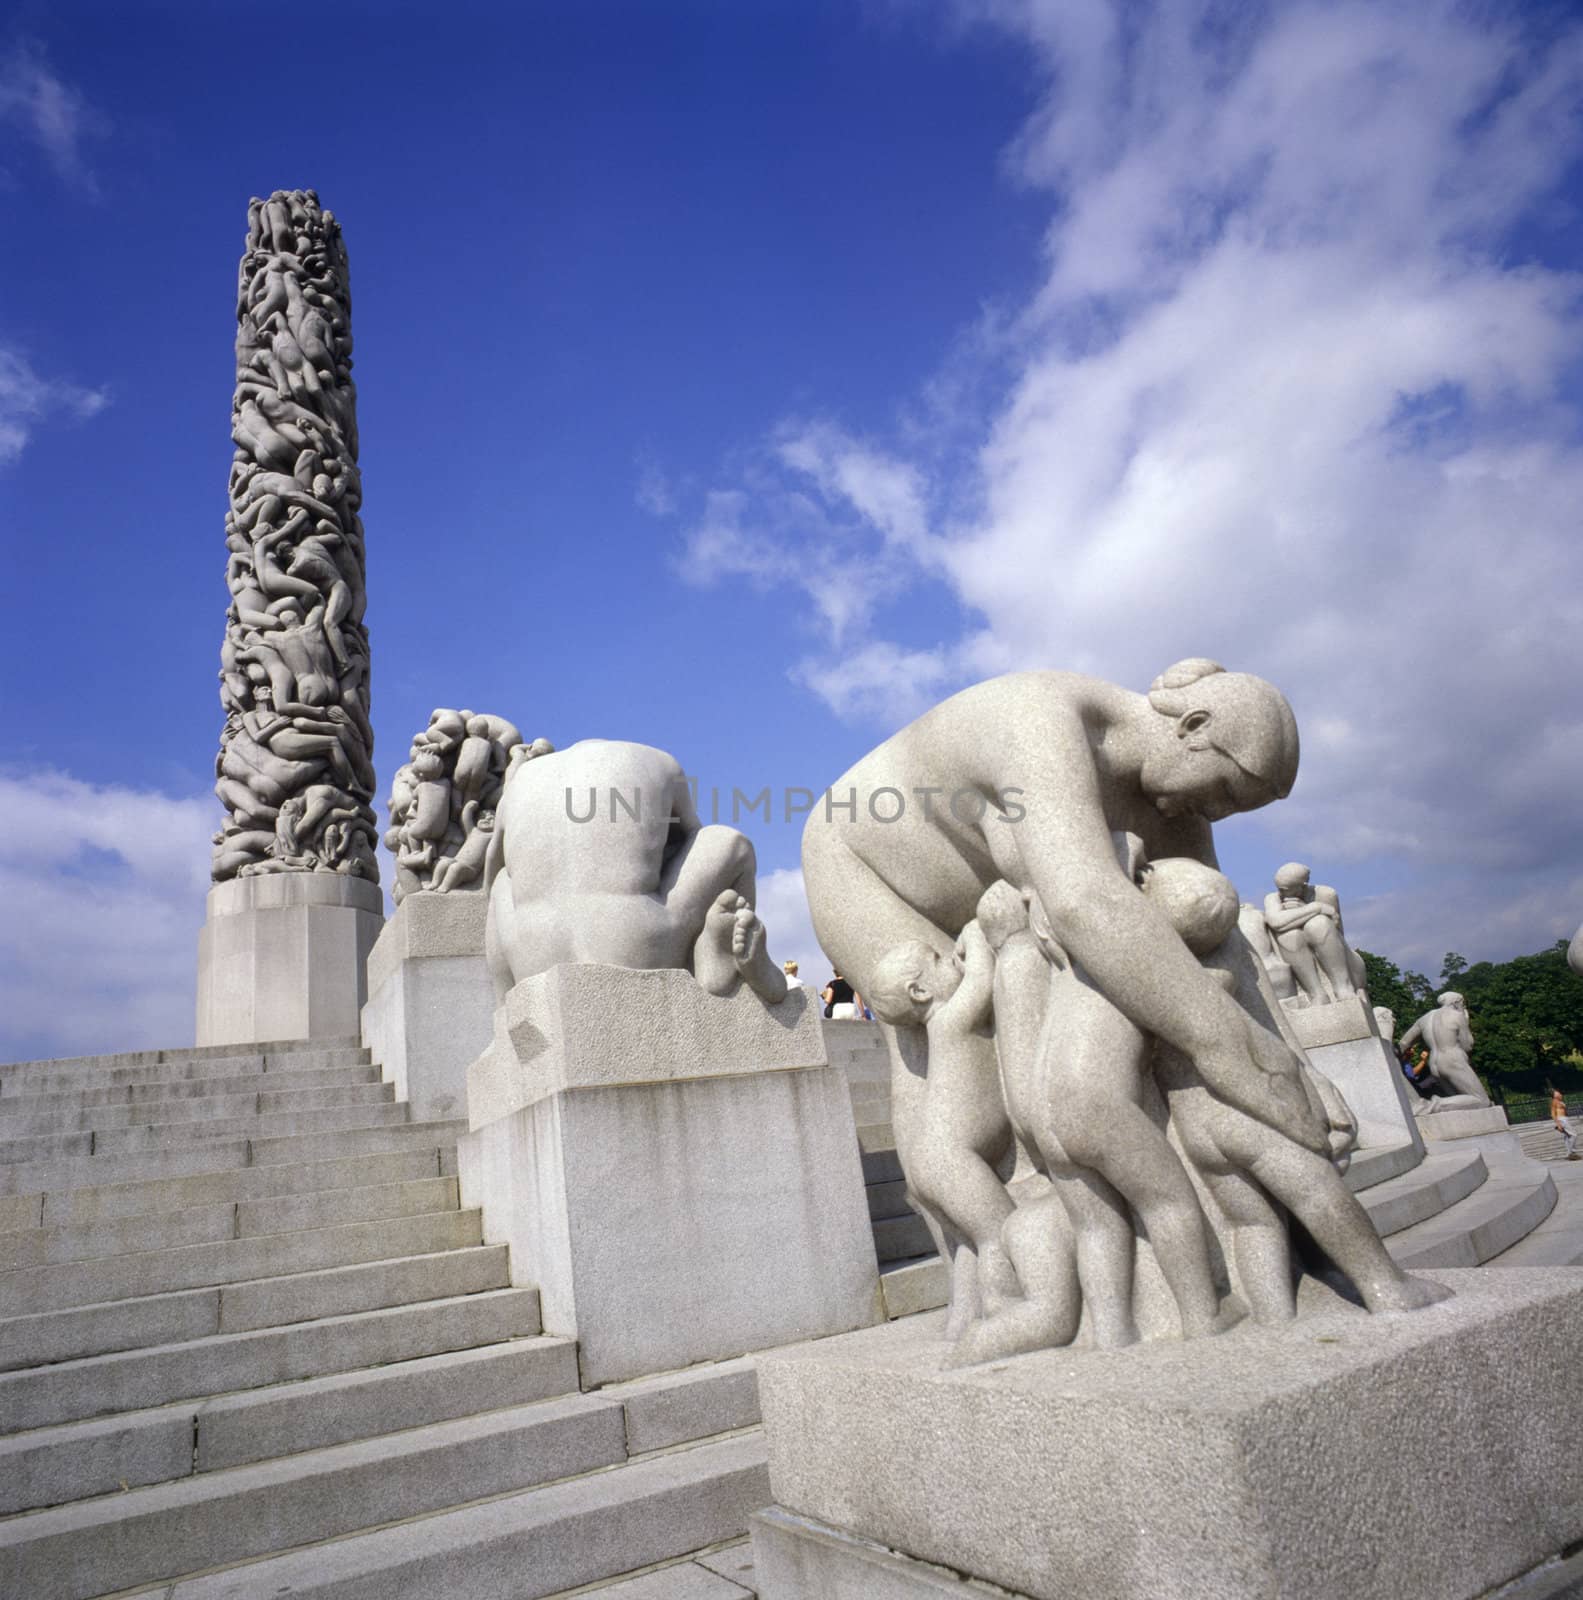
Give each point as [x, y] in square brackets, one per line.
[840, 999]
[1558, 1115]
[792, 980]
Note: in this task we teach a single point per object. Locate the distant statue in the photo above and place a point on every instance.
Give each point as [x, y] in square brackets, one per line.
[1445, 1030]
[443, 800]
[1304, 920]
[1575, 953]
[1385, 1021]
[597, 855]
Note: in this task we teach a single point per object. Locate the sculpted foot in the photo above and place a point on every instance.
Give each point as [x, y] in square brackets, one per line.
[1022, 1327]
[751, 957]
[1231, 1312]
[1403, 1294]
[714, 964]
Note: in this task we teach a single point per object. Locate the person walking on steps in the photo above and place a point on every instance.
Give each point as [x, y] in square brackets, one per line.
[1558, 1115]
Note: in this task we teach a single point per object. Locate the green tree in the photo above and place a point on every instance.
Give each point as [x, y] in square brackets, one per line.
[1408, 994]
[1451, 969]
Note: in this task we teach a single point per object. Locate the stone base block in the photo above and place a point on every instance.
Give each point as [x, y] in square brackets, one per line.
[283, 956]
[678, 1174]
[1438, 1126]
[1405, 1457]
[431, 1002]
[1343, 1041]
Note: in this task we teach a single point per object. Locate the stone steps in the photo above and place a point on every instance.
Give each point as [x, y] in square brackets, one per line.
[33, 1097]
[137, 1137]
[55, 1245]
[531, 1545]
[1517, 1195]
[247, 1334]
[76, 1460]
[217, 1154]
[201, 1056]
[163, 1530]
[137, 1353]
[150, 1197]
[1445, 1176]
[67, 1115]
[28, 1291]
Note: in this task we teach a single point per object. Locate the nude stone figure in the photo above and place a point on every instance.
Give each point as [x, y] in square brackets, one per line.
[1445, 1030]
[1255, 1175]
[639, 883]
[1304, 920]
[1051, 765]
[1575, 952]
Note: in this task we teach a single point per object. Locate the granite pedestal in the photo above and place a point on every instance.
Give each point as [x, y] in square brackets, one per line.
[283, 956]
[431, 1001]
[1465, 1122]
[1342, 1040]
[1417, 1456]
[678, 1174]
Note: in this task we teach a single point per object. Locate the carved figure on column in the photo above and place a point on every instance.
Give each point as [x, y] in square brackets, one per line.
[443, 799]
[295, 766]
[1304, 920]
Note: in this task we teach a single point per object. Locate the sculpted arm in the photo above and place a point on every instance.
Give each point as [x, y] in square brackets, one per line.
[1412, 1036]
[1127, 947]
[969, 1006]
[1282, 919]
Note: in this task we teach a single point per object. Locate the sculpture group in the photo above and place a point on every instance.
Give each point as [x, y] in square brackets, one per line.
[444, 797]
[294, 769]
[1075, 984]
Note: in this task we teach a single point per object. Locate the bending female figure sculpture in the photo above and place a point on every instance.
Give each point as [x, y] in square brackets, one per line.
[1052, 766]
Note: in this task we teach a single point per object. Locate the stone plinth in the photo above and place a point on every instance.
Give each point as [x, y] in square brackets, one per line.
[1406, 1457]
[430, 1002]
[1343, 1041]
[282, 956]
[1464, 1123]
[677, 1174]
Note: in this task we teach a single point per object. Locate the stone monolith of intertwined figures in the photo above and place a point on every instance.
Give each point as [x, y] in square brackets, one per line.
[295, 769]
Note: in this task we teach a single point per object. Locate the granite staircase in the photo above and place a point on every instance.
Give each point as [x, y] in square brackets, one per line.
[251, 1345]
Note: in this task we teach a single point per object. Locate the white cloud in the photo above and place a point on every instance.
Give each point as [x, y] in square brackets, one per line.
[104, 894]
[1287, 396]
[27, 399]
[49, 112]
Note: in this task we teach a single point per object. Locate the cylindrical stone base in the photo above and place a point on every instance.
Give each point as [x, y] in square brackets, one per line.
[283, 956]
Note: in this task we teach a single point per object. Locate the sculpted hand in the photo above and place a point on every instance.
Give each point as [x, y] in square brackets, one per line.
[1254, 1070]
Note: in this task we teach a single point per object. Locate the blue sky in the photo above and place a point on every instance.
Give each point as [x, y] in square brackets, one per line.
[742, 378]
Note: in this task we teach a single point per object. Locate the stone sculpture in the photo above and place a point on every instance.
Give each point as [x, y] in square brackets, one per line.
[1123, 995]
[1445, 1030]
[1304, 922]
[1385, 1021]
[1257, 932]
[444, 796]
[597, 855]
[1575, 952]
[294, 769]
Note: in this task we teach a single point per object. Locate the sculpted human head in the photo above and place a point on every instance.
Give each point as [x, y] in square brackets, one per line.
[1227, 742]
[1292, 878]
[1452, 1001]
[1199, 902]
[910, 980]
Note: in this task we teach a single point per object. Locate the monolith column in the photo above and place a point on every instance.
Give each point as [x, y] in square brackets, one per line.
[296, 904]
